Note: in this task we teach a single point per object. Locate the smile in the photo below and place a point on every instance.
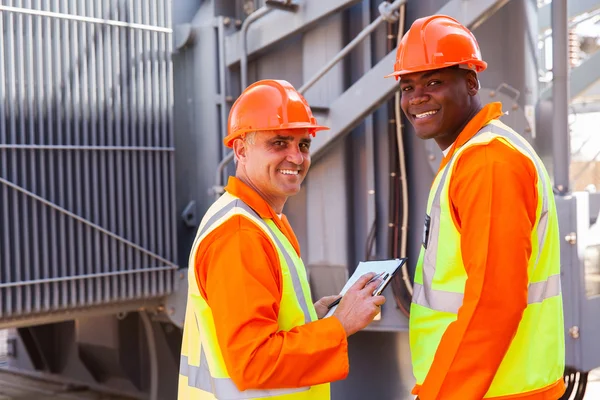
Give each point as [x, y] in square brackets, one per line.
[425, 114]
[289, 172]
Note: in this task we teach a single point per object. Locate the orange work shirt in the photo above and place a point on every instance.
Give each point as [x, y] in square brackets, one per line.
[493, 197]
[239, 276]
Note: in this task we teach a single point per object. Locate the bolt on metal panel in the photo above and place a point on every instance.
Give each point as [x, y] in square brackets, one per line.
[86, 154]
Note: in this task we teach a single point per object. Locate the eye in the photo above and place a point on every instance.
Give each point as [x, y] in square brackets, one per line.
[434, 83]
[279, 143]
[304, 147]
[406, 88]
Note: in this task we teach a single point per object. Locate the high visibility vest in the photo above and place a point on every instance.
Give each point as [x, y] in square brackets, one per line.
[202, 370]
[535, 358]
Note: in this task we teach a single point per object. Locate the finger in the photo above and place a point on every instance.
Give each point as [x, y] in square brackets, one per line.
[378, 300]
[373, 285]
[362, 281]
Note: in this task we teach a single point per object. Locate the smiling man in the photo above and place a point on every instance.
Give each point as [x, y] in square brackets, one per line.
[251, 330]
[486, 319]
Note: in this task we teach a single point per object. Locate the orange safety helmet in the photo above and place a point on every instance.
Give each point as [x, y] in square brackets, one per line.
[269, 105]
[435, 42]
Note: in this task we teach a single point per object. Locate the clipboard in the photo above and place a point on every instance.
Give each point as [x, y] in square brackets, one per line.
[390, 267]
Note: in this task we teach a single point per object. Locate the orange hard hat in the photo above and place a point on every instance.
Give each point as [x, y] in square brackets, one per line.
[269, 105]
[435, 42]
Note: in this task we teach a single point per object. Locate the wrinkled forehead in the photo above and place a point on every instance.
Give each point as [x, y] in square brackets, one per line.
[290, 134]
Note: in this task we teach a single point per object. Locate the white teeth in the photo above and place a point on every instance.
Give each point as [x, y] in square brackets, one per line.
[288, 172]
[425, 114]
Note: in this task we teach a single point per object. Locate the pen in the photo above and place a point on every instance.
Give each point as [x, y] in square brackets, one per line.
[377, 291]
[336, 302]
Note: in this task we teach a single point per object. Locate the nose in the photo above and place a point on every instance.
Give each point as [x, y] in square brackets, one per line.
[295, 156]
[418, 97]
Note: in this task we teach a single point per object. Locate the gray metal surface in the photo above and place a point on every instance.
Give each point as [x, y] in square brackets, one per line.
[16, 386]
[86, 156]
[581, 78]
[517, 23]
[471, 13]
[560, 93]
[582, 327]
[280, 25]
[575, 8]
[130, 354]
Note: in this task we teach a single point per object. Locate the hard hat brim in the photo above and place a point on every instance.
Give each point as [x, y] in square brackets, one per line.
[474, 65]
[313, 128]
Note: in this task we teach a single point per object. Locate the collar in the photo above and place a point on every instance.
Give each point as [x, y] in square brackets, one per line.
[239, 189]
[482, 118]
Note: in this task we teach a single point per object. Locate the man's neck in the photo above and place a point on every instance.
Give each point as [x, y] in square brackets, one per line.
[277, 206]
[447, 141]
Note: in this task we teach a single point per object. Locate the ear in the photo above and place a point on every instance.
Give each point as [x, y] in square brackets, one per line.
[240, 150]
[472, 83]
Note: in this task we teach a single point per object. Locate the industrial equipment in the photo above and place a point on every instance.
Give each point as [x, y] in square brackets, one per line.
[111, 150]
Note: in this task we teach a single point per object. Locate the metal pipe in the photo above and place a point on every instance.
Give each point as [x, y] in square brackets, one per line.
[560, 96]
[61, 61]
[29, 176]
[20, 211]
[168, 89]
[125, 40]
[350, 46]
[159, 140]
[40, 262]
[102, 287]
[5, 258]
[152, 354]
[222, 76]
[137, 134]
[149, 205]
[371, 208]
[49, 68]
[339, 56]
[218, 188]
[77, 159]
[80, 18]
[244, 32]
[88, 276]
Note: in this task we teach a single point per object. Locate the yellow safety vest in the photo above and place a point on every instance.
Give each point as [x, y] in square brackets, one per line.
[202, 371]
[535, 358]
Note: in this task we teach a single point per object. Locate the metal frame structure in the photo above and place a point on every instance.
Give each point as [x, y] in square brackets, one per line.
[574, 9]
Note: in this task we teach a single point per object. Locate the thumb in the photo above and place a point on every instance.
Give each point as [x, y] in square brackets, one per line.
[330, 299]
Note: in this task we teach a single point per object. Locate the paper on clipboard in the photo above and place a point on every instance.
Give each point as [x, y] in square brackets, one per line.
[365, 267]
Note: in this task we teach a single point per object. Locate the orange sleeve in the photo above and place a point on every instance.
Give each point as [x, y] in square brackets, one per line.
[240, 277]
[494, 199]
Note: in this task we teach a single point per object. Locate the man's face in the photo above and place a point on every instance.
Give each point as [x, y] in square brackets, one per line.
[277, 162]
[437, 103]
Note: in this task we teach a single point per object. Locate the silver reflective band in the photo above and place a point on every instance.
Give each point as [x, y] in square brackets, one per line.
[288, 259]
[223, 388]
[450, 302]
[540, 291]
[437, 300]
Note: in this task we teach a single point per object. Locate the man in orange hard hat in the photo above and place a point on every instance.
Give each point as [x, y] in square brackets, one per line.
[251, 330]
[486, 319]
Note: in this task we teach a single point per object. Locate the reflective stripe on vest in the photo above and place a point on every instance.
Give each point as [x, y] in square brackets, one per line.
[199, 376]
[441, 300]
[223, 388]
[257, 219]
